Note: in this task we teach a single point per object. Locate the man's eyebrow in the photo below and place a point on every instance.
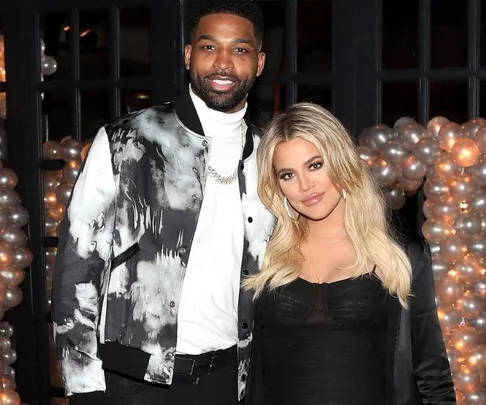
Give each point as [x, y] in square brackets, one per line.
[208, 37]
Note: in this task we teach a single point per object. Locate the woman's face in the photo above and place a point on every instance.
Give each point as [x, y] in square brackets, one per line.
[304, 181]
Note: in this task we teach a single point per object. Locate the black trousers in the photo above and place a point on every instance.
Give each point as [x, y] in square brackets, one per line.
[200, 388]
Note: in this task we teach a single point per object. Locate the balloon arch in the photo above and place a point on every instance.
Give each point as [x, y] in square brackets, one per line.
[449, 160]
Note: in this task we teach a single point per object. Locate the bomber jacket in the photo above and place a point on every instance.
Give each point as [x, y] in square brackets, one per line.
[124, 246]
[412, 353]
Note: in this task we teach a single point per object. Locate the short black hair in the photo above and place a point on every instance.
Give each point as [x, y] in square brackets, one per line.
[242, 8]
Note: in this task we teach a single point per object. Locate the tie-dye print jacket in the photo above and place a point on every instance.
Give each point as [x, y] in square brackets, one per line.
[125, 243]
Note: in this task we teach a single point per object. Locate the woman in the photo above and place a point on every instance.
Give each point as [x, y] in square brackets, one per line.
[348, 315]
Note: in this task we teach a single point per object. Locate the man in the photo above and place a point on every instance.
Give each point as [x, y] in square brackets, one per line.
[163, 223]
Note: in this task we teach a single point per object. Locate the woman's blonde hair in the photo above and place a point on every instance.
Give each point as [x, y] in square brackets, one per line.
[365, 218]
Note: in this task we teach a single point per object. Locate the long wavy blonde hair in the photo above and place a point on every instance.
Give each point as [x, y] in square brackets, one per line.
[365, 217]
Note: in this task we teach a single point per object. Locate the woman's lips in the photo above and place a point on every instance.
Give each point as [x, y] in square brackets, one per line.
[312, 199]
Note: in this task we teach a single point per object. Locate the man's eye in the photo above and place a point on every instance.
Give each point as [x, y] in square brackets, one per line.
[240, 50]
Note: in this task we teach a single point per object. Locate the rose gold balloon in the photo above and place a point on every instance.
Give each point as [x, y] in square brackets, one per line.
[465, 338]
[476, 360]
[446, 209]
[448, 135]
[477, 247]
[16, 237]
[435, 124]
[50, 200]
[427, 208]
[462, 187]
[71, 149]
[9, 397]
[22, 257]
[460, 398]
[476, 397]
[436, 189]
[466, 379]
[481, 139]
[478, 171]
[479, 323]
[471, 127]
[13, 297]
[51, 226]
[427, 151]
[51, 181]
[479, 288]
[8, 197]
[385, 173]
[469, 305]
[456, 359]
[465, 152]
[18, 216]
[8, 178]
[468, 225]
[445, 167]
[440, 266]
[367, 154]
[63, 192]
[71, 170]
[435, 231]
[452, 248]
[12, 276]
[449, 319]
[449, 290]
[468, 269]
[6, 254]
[7, 382]
[57, 212]
[410, 186]
[51, 150]
[85, 150]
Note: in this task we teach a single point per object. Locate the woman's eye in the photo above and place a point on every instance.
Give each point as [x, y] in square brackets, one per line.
[316, 165]
[285, 176]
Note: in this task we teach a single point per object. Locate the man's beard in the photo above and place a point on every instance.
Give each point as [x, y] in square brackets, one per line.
[221, 101]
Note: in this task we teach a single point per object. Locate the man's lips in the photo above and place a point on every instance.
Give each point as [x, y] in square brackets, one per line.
[222, 83]
[312, 199]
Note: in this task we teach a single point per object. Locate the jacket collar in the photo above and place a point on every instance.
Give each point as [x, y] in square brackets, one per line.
[185, 110]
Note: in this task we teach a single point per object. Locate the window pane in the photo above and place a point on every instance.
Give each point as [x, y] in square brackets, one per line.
[482, 99]
[321, 95]
[314, 36]
[95, 112]
[449, 100]
[55, 29]
[400, 34]
[135, 42]
[448, 46]
[94, 42]
[58, 116]
[483, 33]
[274, 39]
[399, 100]
[264, 101]
[133, 100]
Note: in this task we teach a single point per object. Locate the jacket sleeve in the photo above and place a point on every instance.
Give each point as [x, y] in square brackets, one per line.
[429, 357]
[82, 263]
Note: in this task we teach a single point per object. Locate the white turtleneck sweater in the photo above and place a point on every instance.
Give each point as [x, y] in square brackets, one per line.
[208, 311]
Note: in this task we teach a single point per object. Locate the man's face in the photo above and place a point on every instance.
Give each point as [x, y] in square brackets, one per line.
[224, 59]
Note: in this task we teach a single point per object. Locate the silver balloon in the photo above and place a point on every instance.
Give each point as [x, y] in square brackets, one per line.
[8, 178]
[71, 170]
[440, 267]
[411, 134]
[436, 189]
[13, 297]
[7, 383]
[5, 344]
[12, 276]
[448, 135]
[463, 187]
[435, 231]
[427, 208]
[481, 139]
[468, 269]
[6, 330]
[479, 323]
[16, 237]
[51, 150]
[393, 151]
[471, 127]
[385, 173]
[410, 186]
[51, 226]
[477, 247]
[8, 198]
[445, 166]
[445, 209]
[478, 171]
[18, 216]
[396, 198]
[22, 257]
[413, 169]
[479, 288]
[4, 219]
[71, 149]
[402, 122]
[427, 150]
[367, 154]
[63, 192]
[435, 124]
[51, 181]
[378, 135]
[476, 397]
[48, 65]
[469, 305]
[468, 225]
[10, 372]
[453, 248]
[434, 249]
[478, 202]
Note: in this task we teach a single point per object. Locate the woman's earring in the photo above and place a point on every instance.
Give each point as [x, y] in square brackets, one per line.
[344, 194]
[287, 208]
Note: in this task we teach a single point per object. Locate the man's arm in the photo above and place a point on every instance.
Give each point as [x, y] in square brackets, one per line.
[82, 266]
